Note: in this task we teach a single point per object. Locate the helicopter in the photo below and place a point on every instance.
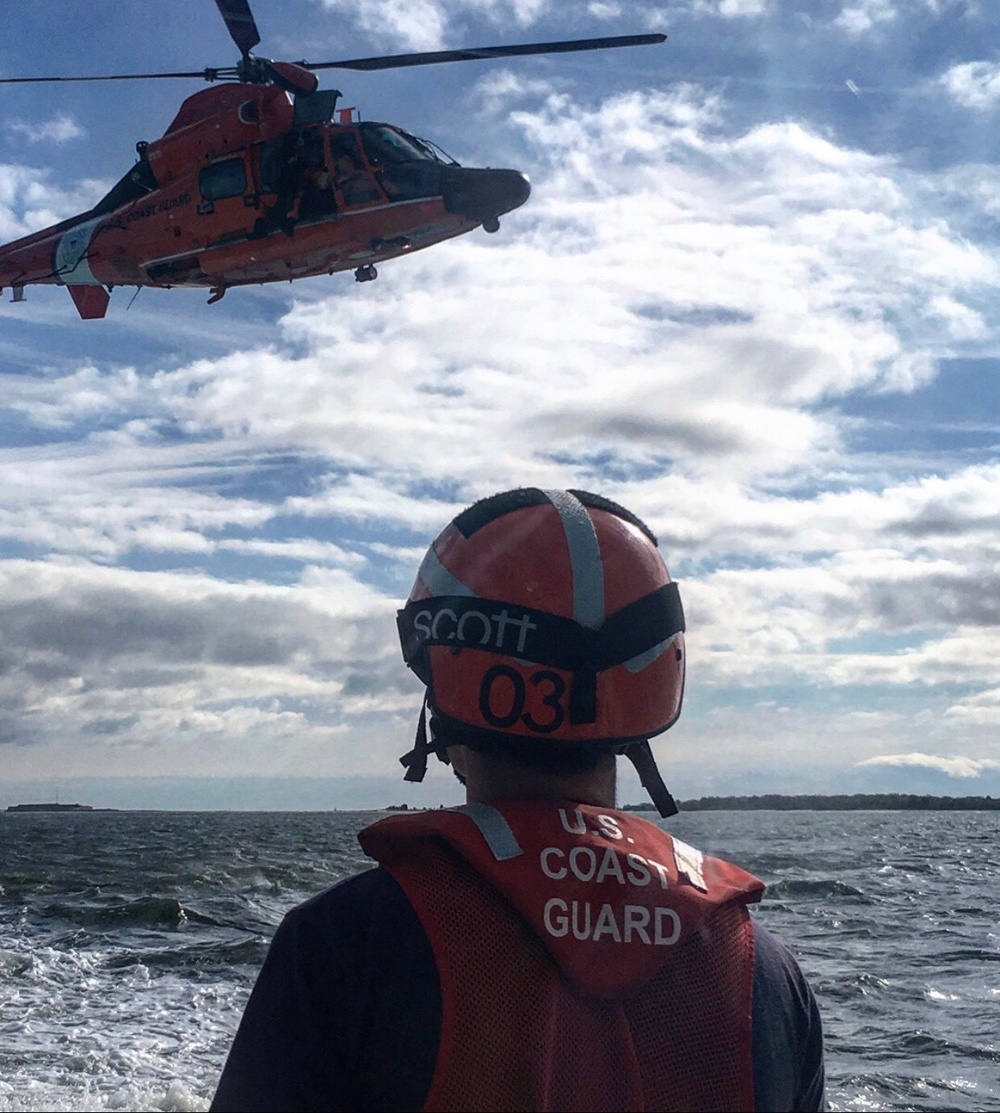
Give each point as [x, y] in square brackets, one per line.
[264, 178]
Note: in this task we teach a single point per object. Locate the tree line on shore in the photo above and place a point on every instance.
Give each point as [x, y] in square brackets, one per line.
[876, 801]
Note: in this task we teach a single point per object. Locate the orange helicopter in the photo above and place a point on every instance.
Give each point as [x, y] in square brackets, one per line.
[263, 179]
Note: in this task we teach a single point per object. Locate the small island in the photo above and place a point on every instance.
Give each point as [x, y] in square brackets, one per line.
[50, 807]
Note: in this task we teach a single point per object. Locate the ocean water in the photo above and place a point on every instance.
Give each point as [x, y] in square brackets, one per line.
[129, 942]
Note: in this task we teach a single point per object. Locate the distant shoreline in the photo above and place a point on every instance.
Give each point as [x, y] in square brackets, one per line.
[879, 801]
[888, 801]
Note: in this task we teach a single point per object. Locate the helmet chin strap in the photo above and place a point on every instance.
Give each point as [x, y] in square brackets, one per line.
[641, 757]
[415, 762]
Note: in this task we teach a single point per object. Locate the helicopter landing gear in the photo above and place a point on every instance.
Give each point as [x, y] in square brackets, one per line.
[367, 273]
[218, 293]
[491, 224]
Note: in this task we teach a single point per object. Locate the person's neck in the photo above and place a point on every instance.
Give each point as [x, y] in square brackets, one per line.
[490, 778]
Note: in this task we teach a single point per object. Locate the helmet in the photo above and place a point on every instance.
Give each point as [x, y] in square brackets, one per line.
[548, 618]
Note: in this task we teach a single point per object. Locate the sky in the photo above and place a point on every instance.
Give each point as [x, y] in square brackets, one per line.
[752, 297]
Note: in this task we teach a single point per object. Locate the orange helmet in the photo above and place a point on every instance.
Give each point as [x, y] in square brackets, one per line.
[548, 617]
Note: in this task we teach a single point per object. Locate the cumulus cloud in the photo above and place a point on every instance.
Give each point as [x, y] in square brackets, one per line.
[981, 708]
[149, 661]
[860, 17]
[959, 767]
[60, 128]
[425, 24]
[667, 350]
[974, 85]
[29, 201]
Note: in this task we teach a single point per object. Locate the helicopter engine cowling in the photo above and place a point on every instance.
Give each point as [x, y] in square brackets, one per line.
[293, 78]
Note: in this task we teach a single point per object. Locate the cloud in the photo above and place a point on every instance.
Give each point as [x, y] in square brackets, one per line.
[861, 17]
[960, 767]
[29, 201]
[982, 708]
[734, 9]
[151, 662]
[666, 350]
[60, 128]
[666, 357]
[974, 85]
[426, 24]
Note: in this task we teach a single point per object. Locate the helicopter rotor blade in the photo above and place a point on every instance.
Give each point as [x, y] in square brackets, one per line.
[205, 75]
[471, 54]
[243, 29]
[240, 22]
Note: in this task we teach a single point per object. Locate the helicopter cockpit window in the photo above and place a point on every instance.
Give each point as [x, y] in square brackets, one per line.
[223, 179]
[387, 145]
[349, 173]
[405, 166]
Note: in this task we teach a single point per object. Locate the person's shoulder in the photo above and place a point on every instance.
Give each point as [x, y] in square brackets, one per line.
[351, 913]
[357, 897]
[787, 1030]
[767, 943]
[360, 888]
[776, 969]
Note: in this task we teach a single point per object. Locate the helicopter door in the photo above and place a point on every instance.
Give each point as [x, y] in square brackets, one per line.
[315, 197]
[352, 179]
[295, 181]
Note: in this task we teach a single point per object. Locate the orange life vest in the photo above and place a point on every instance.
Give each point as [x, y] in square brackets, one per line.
[588, 961]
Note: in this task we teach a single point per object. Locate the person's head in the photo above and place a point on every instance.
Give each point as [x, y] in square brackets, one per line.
[549, 635]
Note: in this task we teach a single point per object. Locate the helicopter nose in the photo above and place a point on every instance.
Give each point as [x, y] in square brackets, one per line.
[484, 194]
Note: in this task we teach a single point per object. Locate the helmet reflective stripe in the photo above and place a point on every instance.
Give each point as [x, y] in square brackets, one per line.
[586, 566]
[587, 570]
[585, 562]
[437, 579]
[644, 660]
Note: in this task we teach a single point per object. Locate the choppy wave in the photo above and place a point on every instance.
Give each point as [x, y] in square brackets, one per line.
[816, 889]
[193, 956]
[153, 911]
